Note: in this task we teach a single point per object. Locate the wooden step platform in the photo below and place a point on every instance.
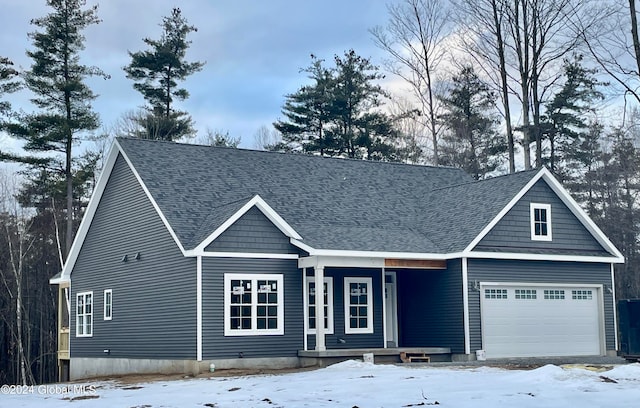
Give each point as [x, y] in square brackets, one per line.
[407, 357]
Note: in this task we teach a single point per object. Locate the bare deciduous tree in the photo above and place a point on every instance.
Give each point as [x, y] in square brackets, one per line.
[522, 44]
[16, 231]
[485, 20]
[217, 138]
[613, 42]
[414, 39]
[266, 138]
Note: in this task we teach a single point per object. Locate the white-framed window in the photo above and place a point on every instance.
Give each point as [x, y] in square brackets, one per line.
[358, 305]
[540, 222]
[495, 294]
[311, 305]
[84, 314]
[108, 304]
[253, 304]
[554, 294]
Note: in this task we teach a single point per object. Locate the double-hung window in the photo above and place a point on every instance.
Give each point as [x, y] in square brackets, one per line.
[358, 305]
[84, 314]
[540, 222]
[253, 304]
[311, 305]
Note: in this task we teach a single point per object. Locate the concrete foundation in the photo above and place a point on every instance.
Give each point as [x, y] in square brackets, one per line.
[82, 367]
[463, 357]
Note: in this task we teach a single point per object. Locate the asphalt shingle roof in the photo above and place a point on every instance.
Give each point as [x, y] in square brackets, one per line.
[332, 203]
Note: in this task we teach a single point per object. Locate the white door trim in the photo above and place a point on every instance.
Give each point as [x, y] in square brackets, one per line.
[391, 308]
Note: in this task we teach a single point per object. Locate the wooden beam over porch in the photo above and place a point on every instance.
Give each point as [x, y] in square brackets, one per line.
[415, 263]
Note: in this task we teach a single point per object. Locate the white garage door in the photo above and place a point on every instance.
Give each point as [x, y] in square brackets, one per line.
[528, 321]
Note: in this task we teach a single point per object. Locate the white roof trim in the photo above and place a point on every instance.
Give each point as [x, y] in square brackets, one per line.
[581, 214]
[150, 197]
[92, 207]
[368, 255]
[262, 205]
[371, 254]
[58, 280]
[573, 206]
[253, 255]
[88, 216]
[543, 257]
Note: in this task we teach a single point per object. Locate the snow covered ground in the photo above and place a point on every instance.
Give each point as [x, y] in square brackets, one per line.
[358, 384]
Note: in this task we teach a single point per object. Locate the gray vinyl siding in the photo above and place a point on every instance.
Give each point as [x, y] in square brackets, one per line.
[430, 307]
[154, 302]
[513, 231]
[340, 340]
[487, 270]
[215, 345]
[253, 232]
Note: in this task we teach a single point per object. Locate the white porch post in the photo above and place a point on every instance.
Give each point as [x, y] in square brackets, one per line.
[319, 284]
[305, 299]
[465, 306]
[384, 308]
[199, 308]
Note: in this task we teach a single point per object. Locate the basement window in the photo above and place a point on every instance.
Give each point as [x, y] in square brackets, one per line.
[540, 222]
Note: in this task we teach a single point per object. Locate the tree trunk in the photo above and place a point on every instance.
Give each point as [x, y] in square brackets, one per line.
[634, 33]
[504, 87]
[522, 48]
[430, 101]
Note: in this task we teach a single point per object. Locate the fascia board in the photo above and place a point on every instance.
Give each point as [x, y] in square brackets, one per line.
[370, 254]
[503, 212]
[94, 201]
[542, 257]
[566, 198]
[90, 212]
[153, 201]
[584, 218]
[322, 256]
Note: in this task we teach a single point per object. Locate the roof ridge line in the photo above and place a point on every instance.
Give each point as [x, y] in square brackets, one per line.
[269, 152]
[487, 179]
[243, 199]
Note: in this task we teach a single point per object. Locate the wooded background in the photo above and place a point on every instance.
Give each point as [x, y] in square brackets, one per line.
[490, 86]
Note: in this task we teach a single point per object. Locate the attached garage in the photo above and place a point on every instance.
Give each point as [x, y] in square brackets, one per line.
[541, 320]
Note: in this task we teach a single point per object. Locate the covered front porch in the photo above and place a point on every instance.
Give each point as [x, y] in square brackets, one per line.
[387, 307]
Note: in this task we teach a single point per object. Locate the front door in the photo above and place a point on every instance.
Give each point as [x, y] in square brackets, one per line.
[391, 307]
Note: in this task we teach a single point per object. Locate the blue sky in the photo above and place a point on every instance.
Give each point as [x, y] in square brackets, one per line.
[253, 51]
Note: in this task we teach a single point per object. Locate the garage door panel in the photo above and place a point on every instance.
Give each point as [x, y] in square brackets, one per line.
[543, 321]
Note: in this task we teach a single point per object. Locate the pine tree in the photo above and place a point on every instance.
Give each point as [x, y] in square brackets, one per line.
[57, 80]
[621, 215]
[564, 123]
[308, 113]
[363, 130]
[471, 142]
[8, 84]
[156, 73]
[339, 114]
[585, 159]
